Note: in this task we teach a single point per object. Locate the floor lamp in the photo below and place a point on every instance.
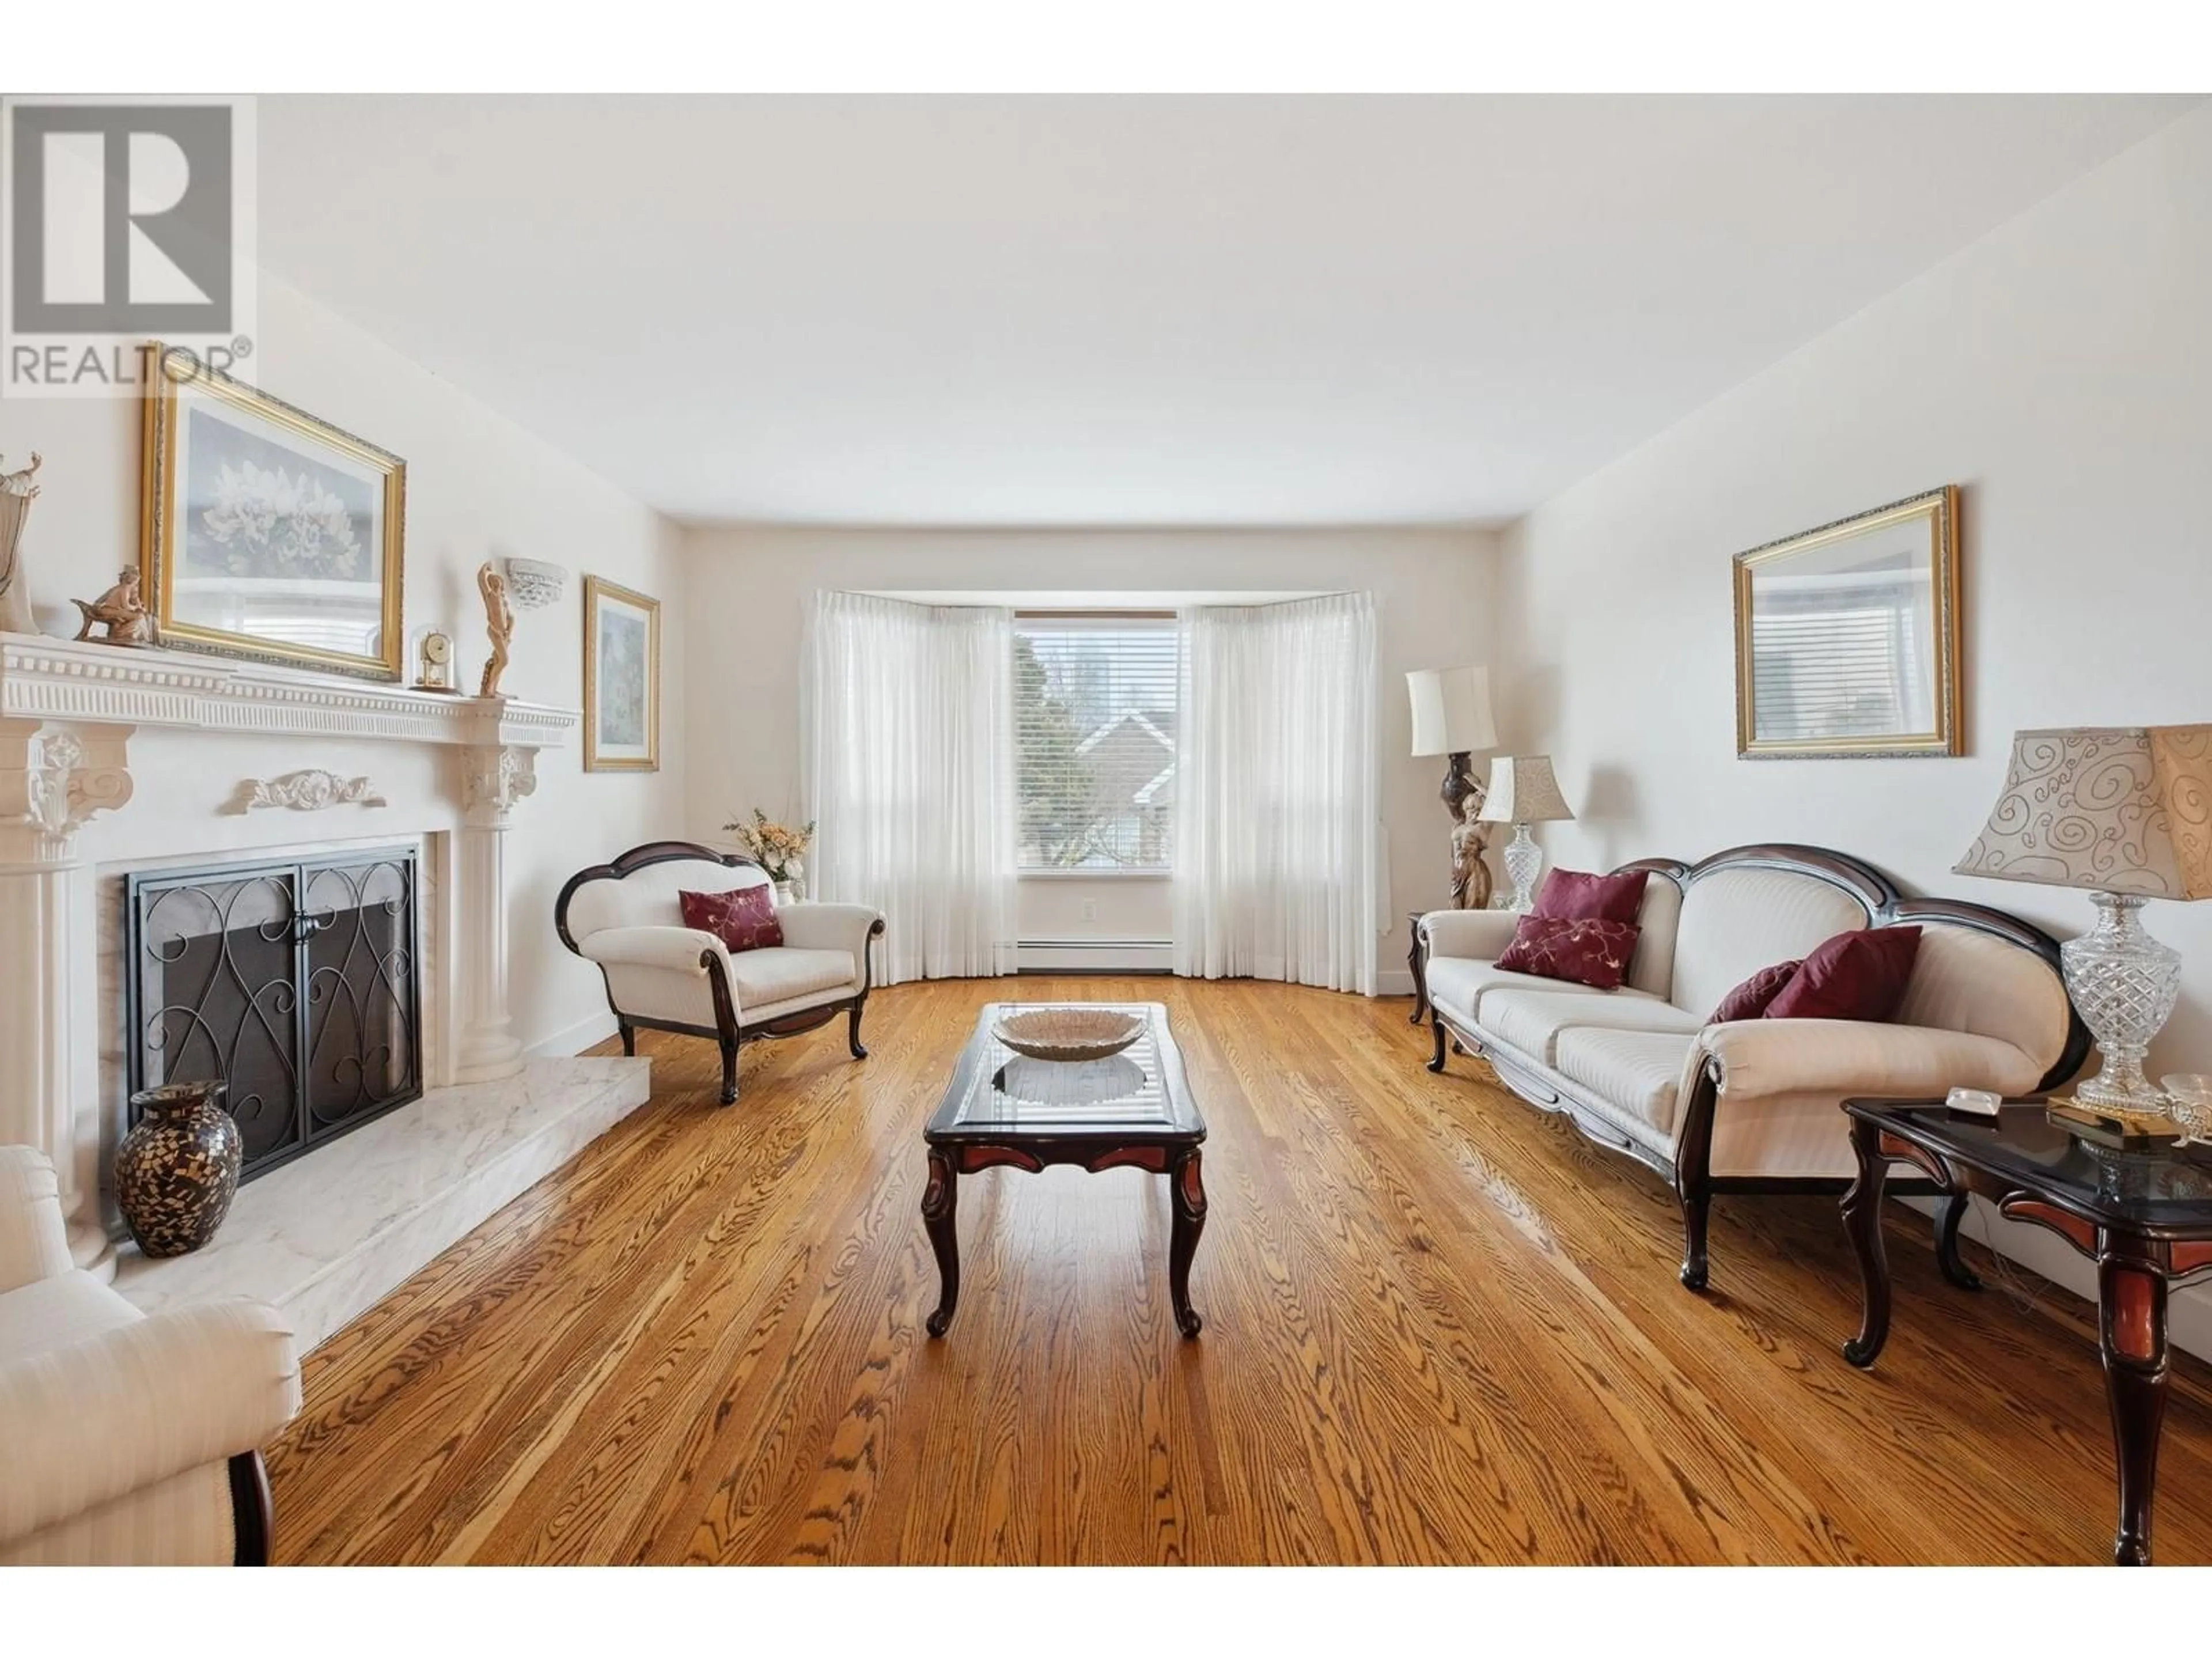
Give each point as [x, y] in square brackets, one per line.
[1451, 717]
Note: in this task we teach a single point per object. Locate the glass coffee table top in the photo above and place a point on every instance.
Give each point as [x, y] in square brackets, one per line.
[997, 1093]
[2170, 1187]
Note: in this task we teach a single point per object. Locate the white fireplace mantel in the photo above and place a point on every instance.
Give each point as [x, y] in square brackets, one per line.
[65, 680]
[69, 714]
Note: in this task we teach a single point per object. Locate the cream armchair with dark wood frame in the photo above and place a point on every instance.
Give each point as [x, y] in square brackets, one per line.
[625, 917]
[126, 1439]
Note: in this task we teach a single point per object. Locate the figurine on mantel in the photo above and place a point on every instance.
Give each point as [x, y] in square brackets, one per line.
[499, 623]
[120, 612]
[17, 491]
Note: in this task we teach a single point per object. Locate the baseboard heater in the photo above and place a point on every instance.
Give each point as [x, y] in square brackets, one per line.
[1096, 956]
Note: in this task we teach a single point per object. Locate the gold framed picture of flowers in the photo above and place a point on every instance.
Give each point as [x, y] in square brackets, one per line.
[265, 532]
[621, 678]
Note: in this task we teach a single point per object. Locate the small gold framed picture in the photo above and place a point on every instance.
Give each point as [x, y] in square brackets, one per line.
[621, 679]
[1847, 637]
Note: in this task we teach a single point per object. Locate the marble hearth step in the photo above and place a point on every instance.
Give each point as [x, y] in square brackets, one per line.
[325, 1236]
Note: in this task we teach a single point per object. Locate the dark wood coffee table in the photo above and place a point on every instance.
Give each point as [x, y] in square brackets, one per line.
[1132, 1111]
[2144, 1218]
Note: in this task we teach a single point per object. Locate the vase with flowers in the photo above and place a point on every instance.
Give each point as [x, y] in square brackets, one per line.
[779, 847]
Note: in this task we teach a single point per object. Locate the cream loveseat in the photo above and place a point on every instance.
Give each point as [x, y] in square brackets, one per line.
[127, 1439]
[1752, 1106]
[625, 916]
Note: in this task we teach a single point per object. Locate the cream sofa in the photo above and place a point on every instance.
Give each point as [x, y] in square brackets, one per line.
[1752, 1106]
[125, 1438]
[625, 917]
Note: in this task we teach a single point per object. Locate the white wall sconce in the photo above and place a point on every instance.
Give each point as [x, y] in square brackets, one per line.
[532, 584]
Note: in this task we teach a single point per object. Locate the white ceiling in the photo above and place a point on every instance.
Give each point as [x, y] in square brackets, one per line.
[1131, 311]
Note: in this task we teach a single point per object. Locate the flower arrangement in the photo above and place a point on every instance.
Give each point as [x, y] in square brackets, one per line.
[778, 847]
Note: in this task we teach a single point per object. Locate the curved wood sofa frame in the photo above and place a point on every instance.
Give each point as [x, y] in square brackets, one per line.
[1689, 1172]
[726, 1030]
[252, 1517]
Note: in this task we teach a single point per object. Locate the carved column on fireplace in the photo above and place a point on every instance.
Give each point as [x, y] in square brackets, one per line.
[54, 775]
[494, 777]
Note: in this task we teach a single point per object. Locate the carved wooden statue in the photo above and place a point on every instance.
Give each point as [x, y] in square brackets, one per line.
[499, 622]
[17, 491]
[120, 612]
[1471, 880]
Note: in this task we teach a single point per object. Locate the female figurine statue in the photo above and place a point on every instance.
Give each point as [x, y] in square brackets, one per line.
[1471, 880]
[499, 622]
[17, 491]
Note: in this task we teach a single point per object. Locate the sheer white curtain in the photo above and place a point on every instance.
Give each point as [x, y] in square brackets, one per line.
[907, 761]
[1276, 838]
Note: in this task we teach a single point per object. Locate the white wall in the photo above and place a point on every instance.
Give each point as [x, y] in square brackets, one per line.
[2059, 370]
[745, 586]
[477, 487]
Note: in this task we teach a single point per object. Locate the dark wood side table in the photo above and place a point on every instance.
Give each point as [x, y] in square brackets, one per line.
[2145, 1219]
[1131, 1110]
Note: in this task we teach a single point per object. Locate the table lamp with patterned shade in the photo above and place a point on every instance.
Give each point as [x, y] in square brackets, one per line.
[1522, 792]
[2126, 812]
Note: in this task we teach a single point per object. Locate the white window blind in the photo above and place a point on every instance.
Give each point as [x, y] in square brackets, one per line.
[1843, 656]
[1095, 725]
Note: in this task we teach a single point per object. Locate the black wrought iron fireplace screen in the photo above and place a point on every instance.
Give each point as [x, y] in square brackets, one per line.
[294, 983]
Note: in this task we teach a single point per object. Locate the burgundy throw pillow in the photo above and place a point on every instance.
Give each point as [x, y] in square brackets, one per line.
[744, 918]
[1578, 896]
[1750, 1000]
[1584, 951]
[1861, 975]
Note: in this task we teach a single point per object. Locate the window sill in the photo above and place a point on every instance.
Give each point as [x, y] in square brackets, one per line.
[1095, 875]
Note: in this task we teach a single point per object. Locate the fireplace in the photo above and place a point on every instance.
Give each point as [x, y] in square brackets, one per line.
[345, 972]
[294, 983]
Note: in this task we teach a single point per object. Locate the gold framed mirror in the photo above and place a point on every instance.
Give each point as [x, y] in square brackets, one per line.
[1847, 637]
[266, 533]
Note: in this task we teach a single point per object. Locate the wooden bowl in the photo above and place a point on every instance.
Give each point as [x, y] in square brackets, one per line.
[1070, 1033]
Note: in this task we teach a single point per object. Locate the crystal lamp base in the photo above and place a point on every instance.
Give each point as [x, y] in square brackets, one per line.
[1524, 862]
[2124, 984]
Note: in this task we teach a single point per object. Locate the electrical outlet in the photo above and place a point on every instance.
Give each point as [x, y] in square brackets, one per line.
[1090, 910]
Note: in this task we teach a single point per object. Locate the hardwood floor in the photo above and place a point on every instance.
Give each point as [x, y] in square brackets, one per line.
[1439, 1327]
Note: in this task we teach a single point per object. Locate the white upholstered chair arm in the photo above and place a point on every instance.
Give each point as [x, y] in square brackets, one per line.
[682, 949]
[810, 926]
[1859, 1057]
[85, 1424]
[34, 1241]
[1476, 935]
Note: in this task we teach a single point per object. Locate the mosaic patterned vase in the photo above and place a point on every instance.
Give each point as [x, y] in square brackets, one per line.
[177, 1170]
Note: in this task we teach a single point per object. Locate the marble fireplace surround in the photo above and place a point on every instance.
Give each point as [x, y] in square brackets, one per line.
[113, 760]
